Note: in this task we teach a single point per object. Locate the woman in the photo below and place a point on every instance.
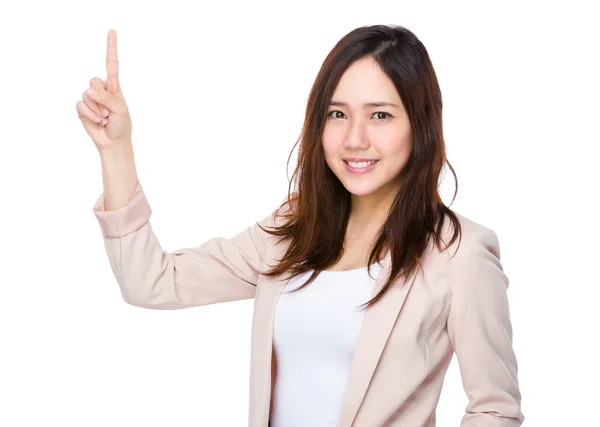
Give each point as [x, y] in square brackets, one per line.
[365, 283]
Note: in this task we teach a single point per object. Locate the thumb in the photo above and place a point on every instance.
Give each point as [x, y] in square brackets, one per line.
[106, 98]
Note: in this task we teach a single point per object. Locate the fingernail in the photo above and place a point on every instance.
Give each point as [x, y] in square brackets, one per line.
[92, 92]
[105, 112]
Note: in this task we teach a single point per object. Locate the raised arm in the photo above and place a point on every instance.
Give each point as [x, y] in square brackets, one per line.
[219, 270]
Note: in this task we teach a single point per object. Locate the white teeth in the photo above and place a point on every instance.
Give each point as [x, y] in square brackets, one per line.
[361, 164]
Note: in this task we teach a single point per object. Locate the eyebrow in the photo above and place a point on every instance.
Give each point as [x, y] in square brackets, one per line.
[366, 104]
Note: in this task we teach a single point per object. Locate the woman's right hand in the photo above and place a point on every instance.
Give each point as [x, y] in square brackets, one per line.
[105, 115]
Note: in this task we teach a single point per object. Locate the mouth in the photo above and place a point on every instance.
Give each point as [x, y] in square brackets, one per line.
[360, 167]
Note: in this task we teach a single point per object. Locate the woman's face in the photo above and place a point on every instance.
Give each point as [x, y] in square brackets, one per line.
[375, 132]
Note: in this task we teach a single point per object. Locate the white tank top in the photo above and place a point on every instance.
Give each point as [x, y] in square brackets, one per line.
[314, 337]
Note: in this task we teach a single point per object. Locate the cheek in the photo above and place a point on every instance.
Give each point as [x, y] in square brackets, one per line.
[330, 141]
[393, 145]
[391, 149]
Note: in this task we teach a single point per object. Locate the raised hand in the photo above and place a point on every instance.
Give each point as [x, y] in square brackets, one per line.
[102, 109]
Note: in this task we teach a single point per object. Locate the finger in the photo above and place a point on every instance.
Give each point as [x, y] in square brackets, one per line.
[101, 96]
[85, 113]
[90, 103]
[112, 63]
[92, 115]
[98, 83]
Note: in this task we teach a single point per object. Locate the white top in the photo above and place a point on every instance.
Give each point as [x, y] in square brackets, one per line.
[314, 338]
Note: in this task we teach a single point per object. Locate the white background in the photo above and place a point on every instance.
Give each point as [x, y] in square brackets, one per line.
[217, 94]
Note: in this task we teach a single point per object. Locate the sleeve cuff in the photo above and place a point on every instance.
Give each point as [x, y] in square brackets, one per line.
[129, 218]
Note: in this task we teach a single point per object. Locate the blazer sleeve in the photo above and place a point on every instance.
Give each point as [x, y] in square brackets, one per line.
[480, 331]
[219, 270]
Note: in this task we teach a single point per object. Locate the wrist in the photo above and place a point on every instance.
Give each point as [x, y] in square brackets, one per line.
[120, 151]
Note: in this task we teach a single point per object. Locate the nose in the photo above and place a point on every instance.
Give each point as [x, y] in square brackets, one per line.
[356, 136]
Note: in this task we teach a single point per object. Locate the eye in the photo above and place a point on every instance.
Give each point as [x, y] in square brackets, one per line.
[334, 116]
[385, 114]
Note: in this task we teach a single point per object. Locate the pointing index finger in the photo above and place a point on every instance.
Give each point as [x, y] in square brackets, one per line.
[112, 62]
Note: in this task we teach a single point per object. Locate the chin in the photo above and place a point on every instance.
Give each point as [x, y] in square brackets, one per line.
[361, 189]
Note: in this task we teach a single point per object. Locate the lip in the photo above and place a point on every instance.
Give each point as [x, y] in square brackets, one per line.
[359, 170]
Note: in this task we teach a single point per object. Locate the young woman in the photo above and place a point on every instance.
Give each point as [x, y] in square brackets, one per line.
[364, 283]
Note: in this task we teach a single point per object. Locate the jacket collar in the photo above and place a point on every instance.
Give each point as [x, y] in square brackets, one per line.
[378, 323]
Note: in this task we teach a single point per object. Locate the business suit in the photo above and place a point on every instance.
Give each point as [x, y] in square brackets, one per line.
[457, 303]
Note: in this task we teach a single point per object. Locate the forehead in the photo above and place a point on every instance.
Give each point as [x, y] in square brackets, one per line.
[364, 81]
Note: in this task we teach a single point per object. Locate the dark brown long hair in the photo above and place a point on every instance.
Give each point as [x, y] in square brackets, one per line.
[319, 210]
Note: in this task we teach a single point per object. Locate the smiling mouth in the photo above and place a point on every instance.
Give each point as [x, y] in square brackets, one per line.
[360, 165]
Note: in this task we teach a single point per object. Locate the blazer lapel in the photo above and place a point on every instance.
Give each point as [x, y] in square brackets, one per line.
[262, 341]
[377, 325]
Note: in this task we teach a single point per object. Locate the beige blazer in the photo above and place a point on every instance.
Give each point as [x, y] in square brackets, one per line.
[456, 304]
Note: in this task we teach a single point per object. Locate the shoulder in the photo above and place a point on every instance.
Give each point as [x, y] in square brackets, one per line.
[474, 266]
[476, 241]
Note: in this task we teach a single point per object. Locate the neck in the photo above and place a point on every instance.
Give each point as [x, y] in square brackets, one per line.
[370, 211]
